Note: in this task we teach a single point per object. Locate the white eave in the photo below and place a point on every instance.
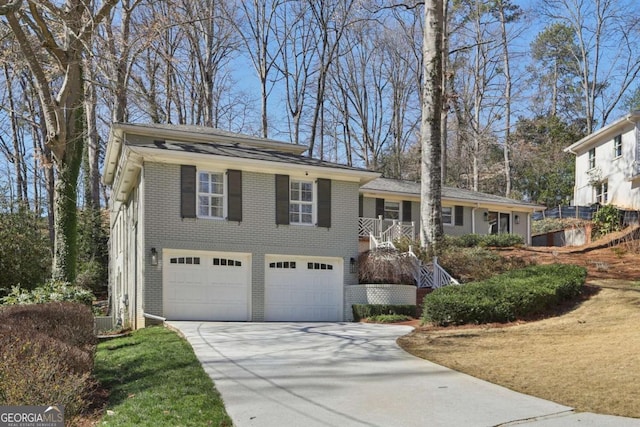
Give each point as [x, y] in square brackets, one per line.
[604, 133]
[126, 174]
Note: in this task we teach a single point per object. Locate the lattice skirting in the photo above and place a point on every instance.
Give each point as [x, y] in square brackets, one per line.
[377, 294]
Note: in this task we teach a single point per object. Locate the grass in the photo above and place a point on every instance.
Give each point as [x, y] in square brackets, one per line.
[586, 358]
[155, 379]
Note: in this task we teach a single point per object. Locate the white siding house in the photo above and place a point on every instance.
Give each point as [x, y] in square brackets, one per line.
[608, 165]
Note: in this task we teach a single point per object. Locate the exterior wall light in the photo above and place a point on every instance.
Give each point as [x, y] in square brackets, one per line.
[353, 265]
[516, 219]
[154, 256]
[486, 216]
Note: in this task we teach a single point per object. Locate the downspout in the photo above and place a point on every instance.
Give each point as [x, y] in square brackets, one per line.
[473, 219]
[529, 229]
[154, 317]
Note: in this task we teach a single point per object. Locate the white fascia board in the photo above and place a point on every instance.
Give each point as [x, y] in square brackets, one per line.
[126, 175]
[603, 134]
[112, 154]
[253, 165]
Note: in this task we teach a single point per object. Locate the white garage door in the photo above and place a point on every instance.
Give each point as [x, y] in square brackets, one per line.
[206, 286]
[303, 289]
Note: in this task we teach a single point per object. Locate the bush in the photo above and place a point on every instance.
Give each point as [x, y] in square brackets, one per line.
[607, 219]
[25, 256]
[473, 264]
[389, 318]
[52, 291]
[68, 322]
[502, 240]
[516, 294]
[364, 311]
[386, 266]
[47, 355]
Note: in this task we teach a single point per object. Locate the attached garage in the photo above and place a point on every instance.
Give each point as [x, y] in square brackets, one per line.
[206, 285]
[303, 289]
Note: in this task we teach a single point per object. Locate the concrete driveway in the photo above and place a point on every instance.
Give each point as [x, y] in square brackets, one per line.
[353, 374]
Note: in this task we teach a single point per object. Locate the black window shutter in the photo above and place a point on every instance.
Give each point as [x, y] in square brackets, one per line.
[188, 191]
[379, 207]
[324, 202]
[234, 200]
[282, 199]
[360, 205]
[459, 215]
[406, 211]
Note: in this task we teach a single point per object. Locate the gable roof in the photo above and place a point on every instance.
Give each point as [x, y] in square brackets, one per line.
[604, 133]
[412, 189]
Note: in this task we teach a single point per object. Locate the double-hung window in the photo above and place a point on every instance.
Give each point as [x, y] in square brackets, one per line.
[602, 193]
[301, 202]
[592, 158]
[447, 215]
[617, 146]
[211, 194]
[391, 210]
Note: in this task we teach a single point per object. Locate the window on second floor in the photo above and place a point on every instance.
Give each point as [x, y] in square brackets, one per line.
[592, 158]
[617, 146]
[211, 194]
[301, 202]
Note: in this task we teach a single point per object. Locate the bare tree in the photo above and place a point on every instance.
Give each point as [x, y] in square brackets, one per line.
[607, 35]
[431, 186]
[62, 33]
[295, 35]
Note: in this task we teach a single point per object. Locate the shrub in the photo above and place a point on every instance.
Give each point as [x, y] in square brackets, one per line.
[47, 355]
[516, 294]
[25, 257]
[502, 240]
[386, 266]
[389, 318]
[473, 264]
[607, 219]
[52, 291]
[364, 311]
[69, 322]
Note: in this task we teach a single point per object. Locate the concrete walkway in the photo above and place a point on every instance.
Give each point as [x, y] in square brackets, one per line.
[353, 374]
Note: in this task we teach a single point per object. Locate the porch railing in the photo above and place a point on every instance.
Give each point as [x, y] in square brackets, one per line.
[431, 275]
[386, 229]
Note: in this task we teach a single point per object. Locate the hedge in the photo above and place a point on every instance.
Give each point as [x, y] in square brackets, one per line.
[46, 355]
[506, 297]
[364, 311]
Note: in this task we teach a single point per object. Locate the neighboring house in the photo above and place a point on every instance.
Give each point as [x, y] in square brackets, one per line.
[210, 225]
[463, 211]
[608, 165]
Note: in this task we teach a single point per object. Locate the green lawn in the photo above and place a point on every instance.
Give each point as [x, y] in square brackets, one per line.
[155, 379]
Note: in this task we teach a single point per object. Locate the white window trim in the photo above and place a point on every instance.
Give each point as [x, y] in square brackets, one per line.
[224, 193]
[615, 147]
[589, 165]
[451, 223]
[314, 201]
[599, 193]
[399, 202]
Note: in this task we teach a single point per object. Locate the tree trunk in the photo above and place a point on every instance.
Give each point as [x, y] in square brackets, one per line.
[430, 207]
